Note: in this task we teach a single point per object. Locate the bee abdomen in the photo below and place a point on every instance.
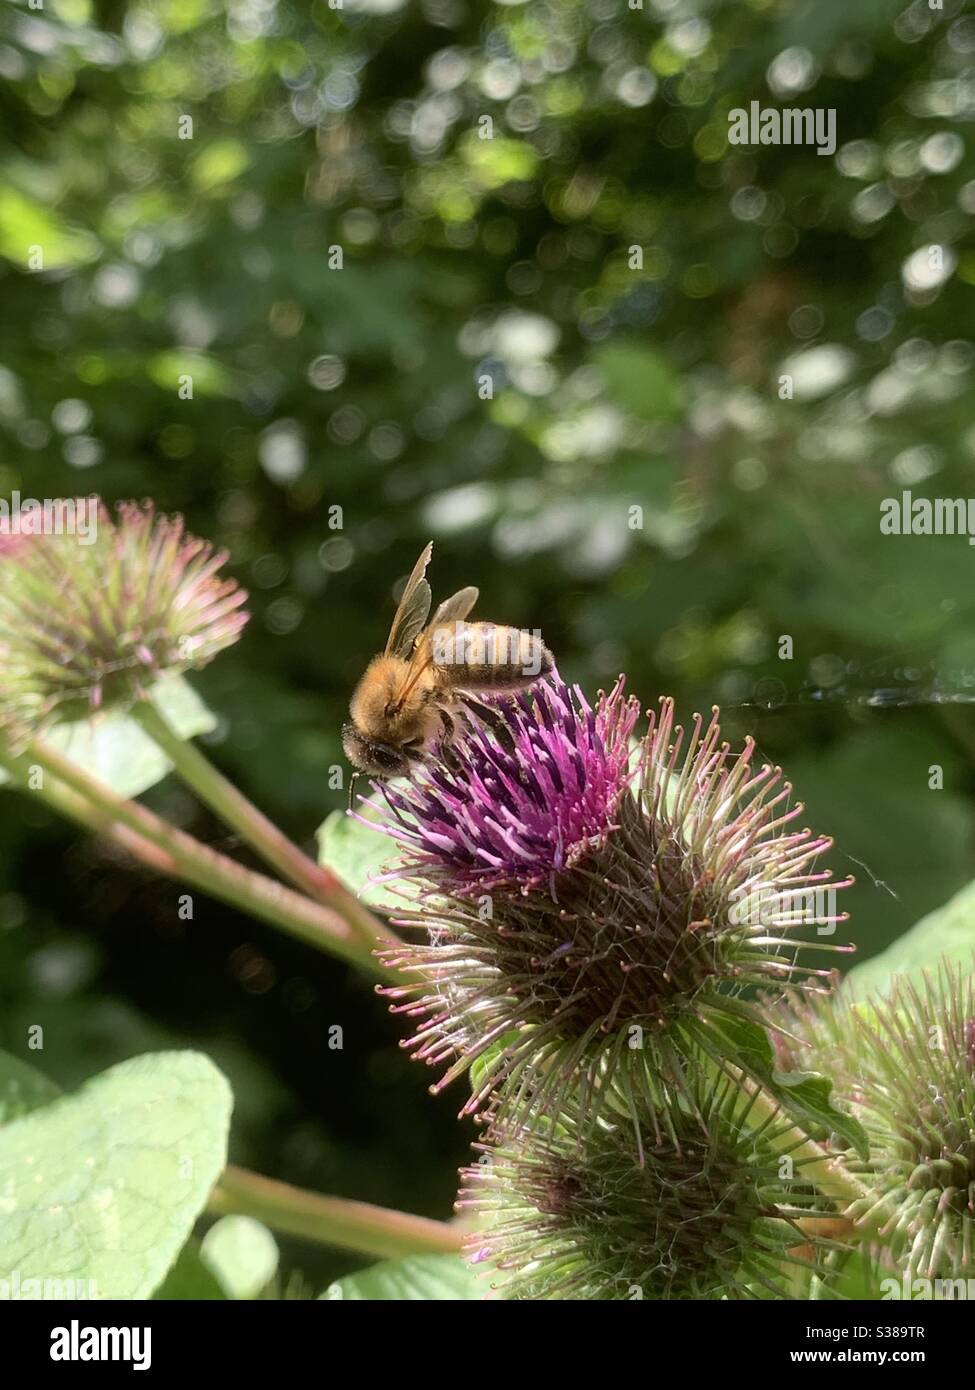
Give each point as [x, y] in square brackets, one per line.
[489, 656]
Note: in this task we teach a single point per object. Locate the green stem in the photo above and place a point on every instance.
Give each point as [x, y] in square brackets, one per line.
[72, 792]
[223, 798]
[334, 1221]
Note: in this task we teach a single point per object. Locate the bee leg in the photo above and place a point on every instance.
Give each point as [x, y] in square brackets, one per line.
[493, 719]
[355, 778]
[449, 725]
[448, 737]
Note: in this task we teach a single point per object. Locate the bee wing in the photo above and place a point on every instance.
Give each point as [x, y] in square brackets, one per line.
[419, 663]
[453, 609]
[414, 607]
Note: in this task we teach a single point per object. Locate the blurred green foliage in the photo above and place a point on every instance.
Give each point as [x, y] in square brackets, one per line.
[634, 290]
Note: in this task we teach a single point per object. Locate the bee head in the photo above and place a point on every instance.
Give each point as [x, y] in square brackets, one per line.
[380, 760]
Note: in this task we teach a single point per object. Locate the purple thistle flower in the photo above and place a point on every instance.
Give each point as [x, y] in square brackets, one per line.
[525, 797]
[597, 906]
[87, 626]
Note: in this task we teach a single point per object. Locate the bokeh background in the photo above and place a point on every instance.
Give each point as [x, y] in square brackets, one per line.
[617, 386]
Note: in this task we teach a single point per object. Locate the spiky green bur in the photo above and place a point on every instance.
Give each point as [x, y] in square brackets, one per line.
[599, 1212]
[84, 627]
[906, 1064]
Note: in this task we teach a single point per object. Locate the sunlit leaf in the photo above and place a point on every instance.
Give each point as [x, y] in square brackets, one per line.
[103, 1186]
[114, 748]
[22, 1088]
[359, 855]
[947, 933]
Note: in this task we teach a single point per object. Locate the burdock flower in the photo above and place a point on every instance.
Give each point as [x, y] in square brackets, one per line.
[84, 626]
[906, 1064]
[532, 790]
[571, 1211]
[597, 905]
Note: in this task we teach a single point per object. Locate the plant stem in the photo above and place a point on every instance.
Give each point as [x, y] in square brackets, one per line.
[220, 794]
[330, 1220]
[75, 793]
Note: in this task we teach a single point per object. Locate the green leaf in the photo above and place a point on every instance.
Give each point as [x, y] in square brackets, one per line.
[104, 1186]
[417, 1279]
[805, 1096]
[496, 162]
[948, 932]
[113, 747]
[22, 1088]
[189, 1279]
[241, 1254]
[808, 1096]
[747, 1043]
[357, 854]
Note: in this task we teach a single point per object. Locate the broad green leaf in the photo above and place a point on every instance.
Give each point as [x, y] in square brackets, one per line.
[179, 16]
[417, 1279]
[241, 1254]
[948, 932]
[114, 748]
[189, 1279]
[22, 1088]
[103, 1186]
[358, 855]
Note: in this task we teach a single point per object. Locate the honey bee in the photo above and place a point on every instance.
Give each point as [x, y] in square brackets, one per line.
[409, 702]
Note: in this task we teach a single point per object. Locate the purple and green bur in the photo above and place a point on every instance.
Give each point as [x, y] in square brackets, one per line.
[599, 904]
[602, 913]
